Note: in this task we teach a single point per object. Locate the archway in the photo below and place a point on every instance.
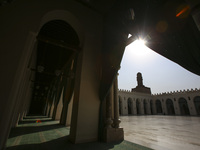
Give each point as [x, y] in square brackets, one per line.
[158, 107]
[120, 105]
[197, 104]
[170, 107]
[138, 106]
[151, 106]
[56, 54]
[130, 110]
[145, 106]
[184, 110]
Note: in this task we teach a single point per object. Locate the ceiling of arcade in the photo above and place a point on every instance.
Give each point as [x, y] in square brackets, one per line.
[159, 22]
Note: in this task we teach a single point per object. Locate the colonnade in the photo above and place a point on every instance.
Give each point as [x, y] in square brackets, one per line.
[180, 104]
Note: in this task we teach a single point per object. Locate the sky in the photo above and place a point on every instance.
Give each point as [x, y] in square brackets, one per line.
[158, 72]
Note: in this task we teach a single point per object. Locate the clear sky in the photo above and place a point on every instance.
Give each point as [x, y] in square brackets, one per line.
[159, 73]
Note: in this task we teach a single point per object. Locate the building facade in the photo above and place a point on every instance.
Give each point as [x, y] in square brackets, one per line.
[186, 102]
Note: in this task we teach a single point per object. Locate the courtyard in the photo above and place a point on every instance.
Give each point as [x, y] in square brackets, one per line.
[163, 132]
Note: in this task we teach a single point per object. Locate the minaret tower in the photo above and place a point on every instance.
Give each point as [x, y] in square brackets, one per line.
[140, 87]
[139, 79]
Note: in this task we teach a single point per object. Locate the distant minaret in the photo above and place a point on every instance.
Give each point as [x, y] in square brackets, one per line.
[139, 79]
[140, 87]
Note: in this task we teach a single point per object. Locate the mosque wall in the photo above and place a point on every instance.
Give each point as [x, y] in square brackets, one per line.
[186, 102]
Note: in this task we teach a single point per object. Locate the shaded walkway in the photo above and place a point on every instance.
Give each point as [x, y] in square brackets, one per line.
[49, 135]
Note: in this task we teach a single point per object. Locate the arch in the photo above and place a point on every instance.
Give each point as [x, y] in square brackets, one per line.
[158, 106]
[120, 105]
[66, 16]
[170, 107]
[129, 104]
[184, 110]
[138, 106]
[145, 106]
[49, 72]
[151, 106]
[197, 104]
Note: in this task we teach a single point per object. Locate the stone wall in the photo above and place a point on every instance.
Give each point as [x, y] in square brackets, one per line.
[183, 102]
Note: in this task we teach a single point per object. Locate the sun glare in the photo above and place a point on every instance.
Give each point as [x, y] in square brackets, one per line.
[138, 48]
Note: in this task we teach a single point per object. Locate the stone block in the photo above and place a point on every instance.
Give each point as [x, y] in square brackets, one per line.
[113, 134]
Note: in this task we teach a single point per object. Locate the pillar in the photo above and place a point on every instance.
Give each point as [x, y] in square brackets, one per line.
[112, 132]
[108, 110]
[116, 105]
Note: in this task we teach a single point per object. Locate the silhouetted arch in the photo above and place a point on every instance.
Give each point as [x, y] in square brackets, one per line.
[57, 43]
[138, 106]
[170, 107]
[197, 104]
[145, 106]
[151, 106]
[184, 110]
[158, 106]
[130, 110]
[120, 105]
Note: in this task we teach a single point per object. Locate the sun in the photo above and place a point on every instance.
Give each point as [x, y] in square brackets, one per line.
[138, 48]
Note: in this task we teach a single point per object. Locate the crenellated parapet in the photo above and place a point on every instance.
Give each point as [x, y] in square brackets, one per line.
[123, 90]
[178, 92]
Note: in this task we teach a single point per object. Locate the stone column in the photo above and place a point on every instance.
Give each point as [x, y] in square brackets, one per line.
[109, 110]
[116, 104]
[113, 134]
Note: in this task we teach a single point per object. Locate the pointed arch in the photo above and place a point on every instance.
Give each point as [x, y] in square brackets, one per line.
[170, 107]
[145, 103]
[120, 105]
[130, 106]
[159, 107]
[138, 106]
[197, 104]
[183, 105]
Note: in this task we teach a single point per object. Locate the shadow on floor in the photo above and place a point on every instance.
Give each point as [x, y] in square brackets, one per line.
[33, 129]
[57, 139]
[64, 144]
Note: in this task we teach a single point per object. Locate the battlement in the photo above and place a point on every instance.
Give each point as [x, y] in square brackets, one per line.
[122, 90]
[178, 92]
[167, 93]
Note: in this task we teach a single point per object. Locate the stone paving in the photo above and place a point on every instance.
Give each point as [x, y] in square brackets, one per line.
[163, 132]
[49, 135]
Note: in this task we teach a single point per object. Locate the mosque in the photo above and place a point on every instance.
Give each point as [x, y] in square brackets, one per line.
[140, 101]
[61, 59]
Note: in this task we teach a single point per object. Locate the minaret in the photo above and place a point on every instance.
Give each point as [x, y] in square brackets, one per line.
[140, 87]
[139, 79]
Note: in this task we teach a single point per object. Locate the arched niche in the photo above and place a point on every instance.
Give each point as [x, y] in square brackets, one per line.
[130, 106]
[138, 106]
[158, 107]
[145, 103]
[183, 105]
[151, 106]
[170, 107]
[120, 105]
[197, 104]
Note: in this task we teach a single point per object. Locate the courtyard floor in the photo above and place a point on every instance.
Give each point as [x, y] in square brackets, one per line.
[163, 132]
[43, 133]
